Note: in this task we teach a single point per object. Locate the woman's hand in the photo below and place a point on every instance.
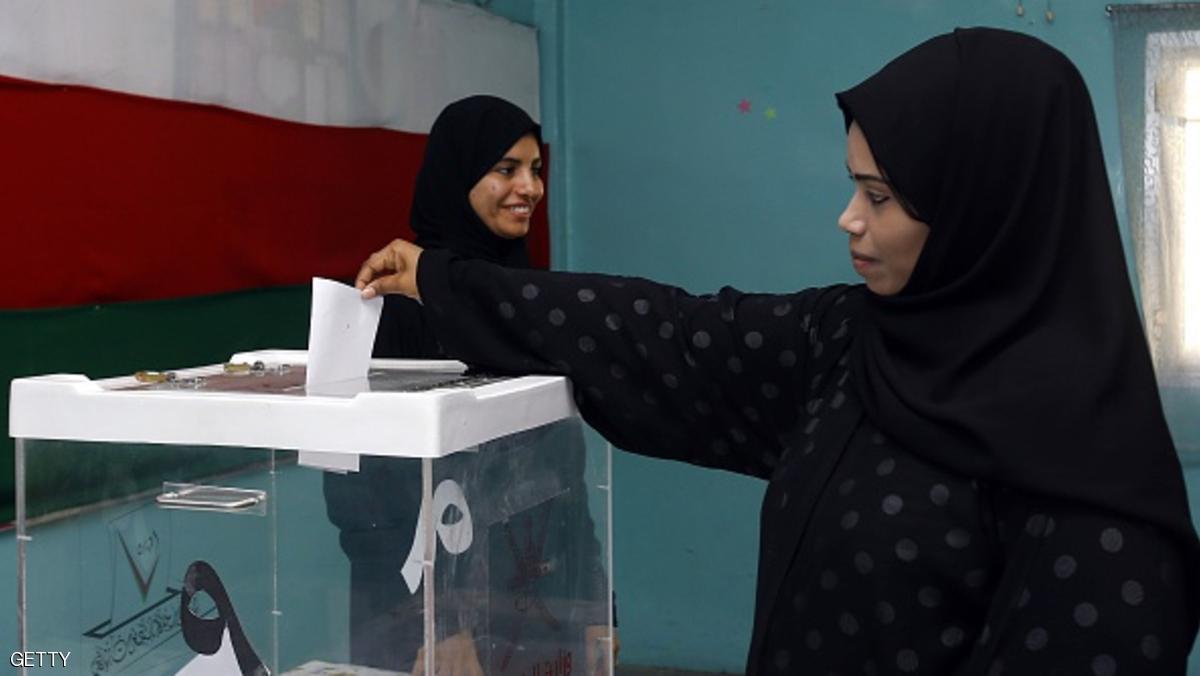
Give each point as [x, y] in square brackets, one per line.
[392, 269]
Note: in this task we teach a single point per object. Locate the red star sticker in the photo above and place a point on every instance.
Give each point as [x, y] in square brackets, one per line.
[744, 106]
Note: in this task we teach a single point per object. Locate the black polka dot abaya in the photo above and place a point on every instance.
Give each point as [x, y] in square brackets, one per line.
[971, 477]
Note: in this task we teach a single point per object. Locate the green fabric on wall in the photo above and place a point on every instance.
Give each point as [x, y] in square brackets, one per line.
[102, 341]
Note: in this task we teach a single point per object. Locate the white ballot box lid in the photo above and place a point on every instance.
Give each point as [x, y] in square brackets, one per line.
[411, 408]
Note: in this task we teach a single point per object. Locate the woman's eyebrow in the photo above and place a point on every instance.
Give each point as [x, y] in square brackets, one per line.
[867, 177]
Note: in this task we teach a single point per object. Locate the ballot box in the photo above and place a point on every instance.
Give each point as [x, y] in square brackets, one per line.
[227, 519]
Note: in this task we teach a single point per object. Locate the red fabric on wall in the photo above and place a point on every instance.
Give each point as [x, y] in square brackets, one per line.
[115, 197]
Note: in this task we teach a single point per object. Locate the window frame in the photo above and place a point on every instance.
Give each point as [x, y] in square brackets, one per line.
[1167, 307]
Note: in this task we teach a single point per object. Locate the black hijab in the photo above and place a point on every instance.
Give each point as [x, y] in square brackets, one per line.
[466, 141]
[1015, 352]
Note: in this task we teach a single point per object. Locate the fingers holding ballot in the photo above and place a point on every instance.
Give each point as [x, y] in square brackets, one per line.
[392, 269]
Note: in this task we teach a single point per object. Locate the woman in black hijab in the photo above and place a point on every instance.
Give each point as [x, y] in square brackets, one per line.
[465, 143]
[476, 191]
[969, 471]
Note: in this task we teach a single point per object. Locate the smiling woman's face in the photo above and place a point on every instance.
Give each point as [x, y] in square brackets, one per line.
[508, 193]
[885, 241]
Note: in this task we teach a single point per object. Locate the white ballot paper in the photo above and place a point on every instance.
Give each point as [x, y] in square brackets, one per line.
[341, 334]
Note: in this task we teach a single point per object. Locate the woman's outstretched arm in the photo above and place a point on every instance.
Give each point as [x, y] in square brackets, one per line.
[713, 380]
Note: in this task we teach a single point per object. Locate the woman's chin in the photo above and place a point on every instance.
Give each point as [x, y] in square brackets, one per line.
[514, 230]
[882, 287]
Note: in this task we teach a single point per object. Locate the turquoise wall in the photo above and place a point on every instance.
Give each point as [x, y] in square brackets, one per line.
[657, 173]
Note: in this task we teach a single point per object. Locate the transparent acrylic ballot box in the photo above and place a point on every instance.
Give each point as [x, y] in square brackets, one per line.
[227, 520]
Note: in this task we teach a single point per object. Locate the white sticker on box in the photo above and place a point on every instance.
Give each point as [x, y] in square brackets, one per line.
[455, 537]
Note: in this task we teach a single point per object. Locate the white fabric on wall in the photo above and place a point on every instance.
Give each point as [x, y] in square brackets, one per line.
[389, 63]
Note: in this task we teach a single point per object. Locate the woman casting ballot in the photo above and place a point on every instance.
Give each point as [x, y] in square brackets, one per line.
[969, 469]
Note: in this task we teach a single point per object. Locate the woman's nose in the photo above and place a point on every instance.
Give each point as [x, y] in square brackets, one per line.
[528, 185]
[851, 220]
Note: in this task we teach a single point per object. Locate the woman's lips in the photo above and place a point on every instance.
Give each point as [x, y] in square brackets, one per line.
[861, 262]
[519, 211]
